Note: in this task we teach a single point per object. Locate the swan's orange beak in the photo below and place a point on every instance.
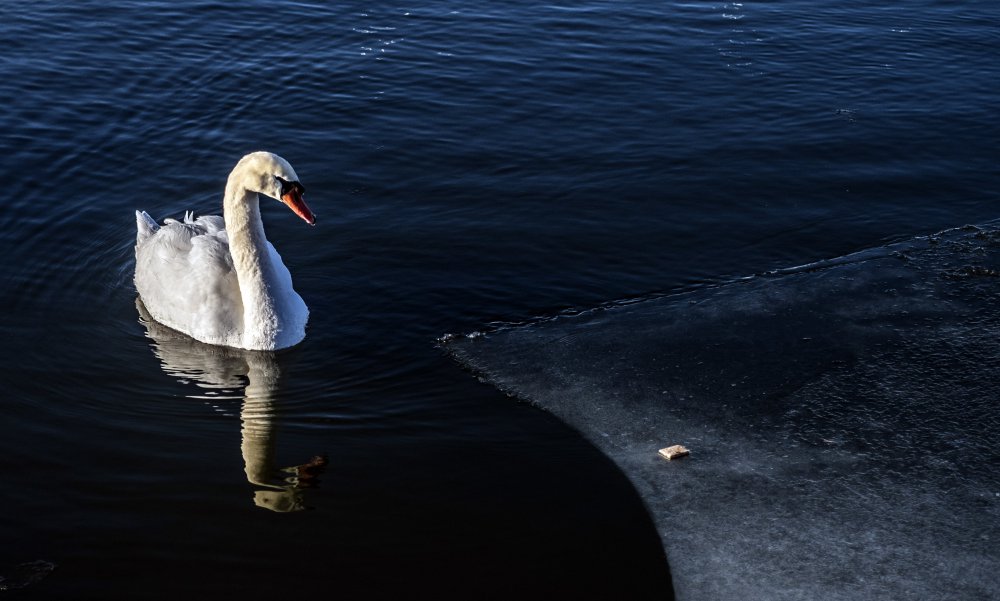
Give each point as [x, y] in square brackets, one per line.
[293, 198]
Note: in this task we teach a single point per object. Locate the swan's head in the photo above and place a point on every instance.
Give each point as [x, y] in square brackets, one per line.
[267, 173]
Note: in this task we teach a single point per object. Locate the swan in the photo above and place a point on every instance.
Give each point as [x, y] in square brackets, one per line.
[218, 279]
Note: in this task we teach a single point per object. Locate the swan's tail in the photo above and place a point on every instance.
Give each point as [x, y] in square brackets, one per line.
[145, 225]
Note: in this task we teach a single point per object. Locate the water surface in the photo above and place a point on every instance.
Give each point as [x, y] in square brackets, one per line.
[469, 163]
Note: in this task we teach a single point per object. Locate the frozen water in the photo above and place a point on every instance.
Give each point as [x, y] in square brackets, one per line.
[842, 417]
[25, 574]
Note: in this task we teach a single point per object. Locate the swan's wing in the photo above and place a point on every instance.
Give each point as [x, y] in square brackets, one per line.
[145, 226]
[185, 276]
[208, 224]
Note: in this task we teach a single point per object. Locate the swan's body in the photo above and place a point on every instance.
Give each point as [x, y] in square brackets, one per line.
[218, 279]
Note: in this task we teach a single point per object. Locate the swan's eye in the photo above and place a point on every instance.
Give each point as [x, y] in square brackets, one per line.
[287, 186]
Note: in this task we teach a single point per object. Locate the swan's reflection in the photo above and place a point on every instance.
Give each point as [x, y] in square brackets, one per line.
[223, 372]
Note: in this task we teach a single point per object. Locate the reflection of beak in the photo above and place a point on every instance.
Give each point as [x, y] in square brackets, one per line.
[293, 198]
[279, 501]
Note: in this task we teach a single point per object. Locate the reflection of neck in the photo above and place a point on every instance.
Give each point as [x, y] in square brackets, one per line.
[254, 270]
[258, 438]
[258, 432]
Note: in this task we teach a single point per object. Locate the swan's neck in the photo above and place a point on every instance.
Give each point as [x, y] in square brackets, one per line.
[254, 269]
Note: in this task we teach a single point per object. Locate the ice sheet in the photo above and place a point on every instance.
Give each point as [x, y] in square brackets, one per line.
[843, 419]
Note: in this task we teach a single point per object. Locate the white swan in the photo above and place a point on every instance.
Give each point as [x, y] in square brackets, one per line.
[218, 279]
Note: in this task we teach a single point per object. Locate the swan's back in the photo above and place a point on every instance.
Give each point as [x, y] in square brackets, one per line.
[184, 273]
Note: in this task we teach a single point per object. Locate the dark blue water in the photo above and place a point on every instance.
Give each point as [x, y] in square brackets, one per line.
[468, 163]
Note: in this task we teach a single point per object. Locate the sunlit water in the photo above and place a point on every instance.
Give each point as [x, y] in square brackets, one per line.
[469, 163]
